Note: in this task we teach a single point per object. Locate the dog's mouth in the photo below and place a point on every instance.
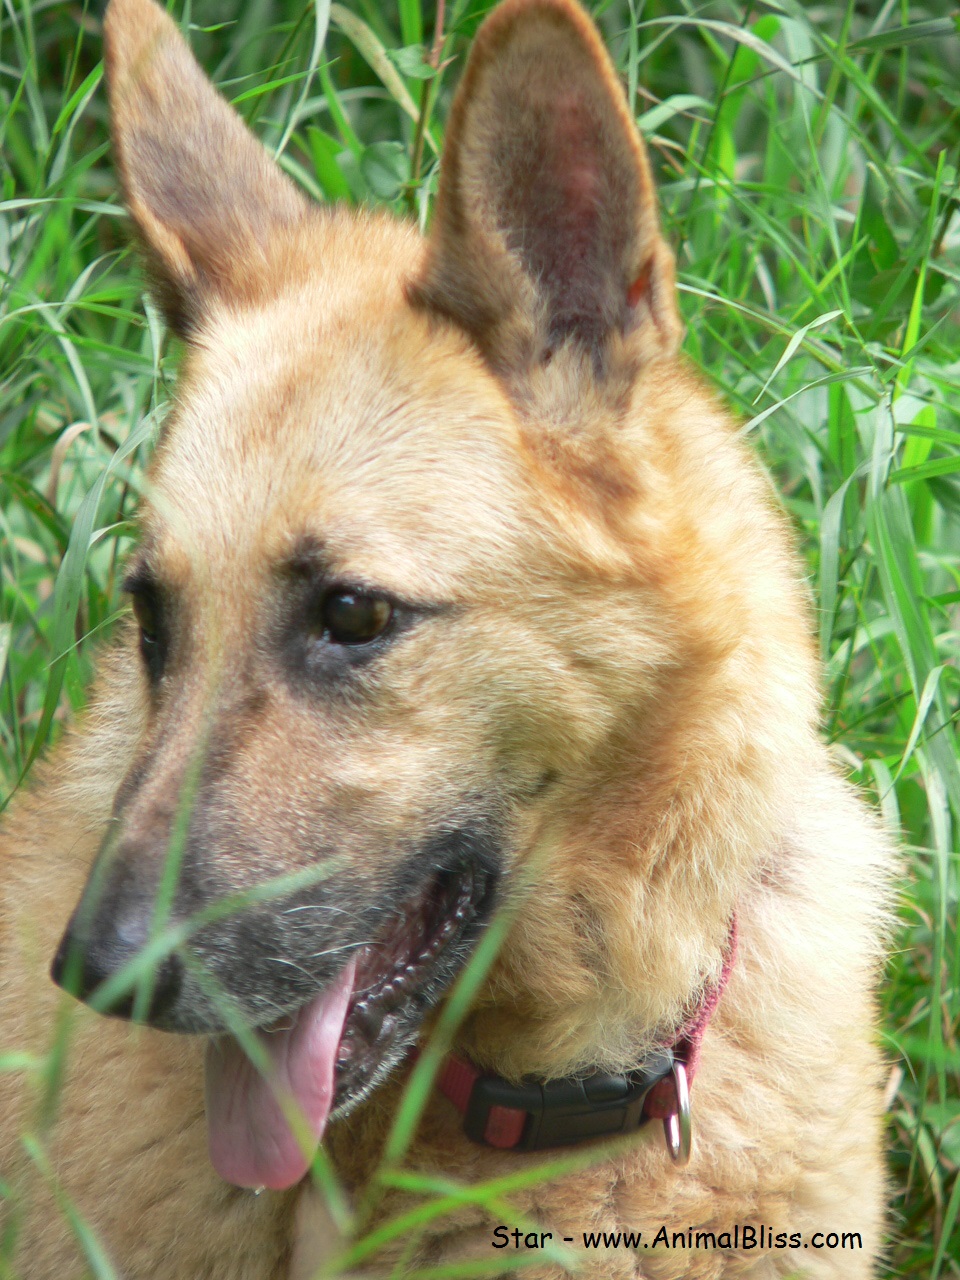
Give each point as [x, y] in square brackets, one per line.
[321, 1060]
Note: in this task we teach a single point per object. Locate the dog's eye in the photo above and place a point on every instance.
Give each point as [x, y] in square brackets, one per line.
[145, 612]
[145, 602]
[353, 617]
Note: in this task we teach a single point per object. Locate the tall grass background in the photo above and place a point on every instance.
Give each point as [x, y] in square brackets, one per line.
[807, 158]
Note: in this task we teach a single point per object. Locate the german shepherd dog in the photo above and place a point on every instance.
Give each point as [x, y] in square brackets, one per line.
[459, 606]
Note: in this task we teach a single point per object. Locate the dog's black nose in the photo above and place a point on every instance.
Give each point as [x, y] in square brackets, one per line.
[83, 963]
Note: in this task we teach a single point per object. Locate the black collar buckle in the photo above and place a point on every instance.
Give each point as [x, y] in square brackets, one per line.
[561, 1113]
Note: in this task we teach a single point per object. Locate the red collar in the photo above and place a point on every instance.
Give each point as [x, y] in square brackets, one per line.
[557, 1113]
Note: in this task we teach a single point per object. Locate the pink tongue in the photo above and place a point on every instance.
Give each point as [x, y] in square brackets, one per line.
[251, 1143]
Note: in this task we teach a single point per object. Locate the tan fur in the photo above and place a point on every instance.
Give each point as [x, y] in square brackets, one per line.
[625, 616]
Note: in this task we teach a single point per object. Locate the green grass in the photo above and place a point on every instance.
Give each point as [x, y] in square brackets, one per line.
[808, 163]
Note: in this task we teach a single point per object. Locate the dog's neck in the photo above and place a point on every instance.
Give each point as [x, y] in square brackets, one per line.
[537, 1114]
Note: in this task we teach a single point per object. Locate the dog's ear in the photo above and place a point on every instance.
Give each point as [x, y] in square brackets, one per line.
[205, 195]
[546, 226]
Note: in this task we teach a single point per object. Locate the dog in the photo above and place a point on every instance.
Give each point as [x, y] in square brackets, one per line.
[461, 615]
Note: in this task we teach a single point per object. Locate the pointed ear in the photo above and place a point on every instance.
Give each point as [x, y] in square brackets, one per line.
[206, 197]
[546, 225]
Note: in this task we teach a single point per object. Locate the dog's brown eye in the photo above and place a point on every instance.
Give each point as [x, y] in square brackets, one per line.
[352, 617]
[145, 612]
[146, 600]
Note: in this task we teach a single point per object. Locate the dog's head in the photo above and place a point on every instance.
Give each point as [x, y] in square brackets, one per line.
[415, 573]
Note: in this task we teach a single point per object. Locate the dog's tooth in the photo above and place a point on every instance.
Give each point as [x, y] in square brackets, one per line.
[368, 1020]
